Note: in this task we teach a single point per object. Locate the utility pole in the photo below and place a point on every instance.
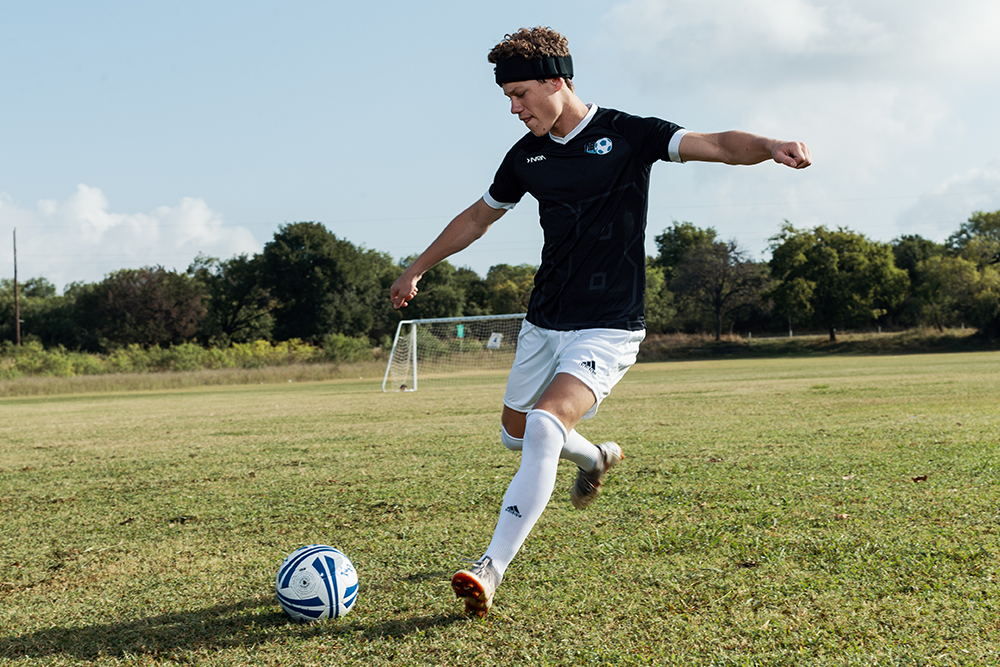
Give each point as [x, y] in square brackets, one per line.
[17, 304]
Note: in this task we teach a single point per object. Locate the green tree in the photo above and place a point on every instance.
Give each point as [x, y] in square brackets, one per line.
[660, 310]
[676, 241]
[985, 311]
[506, 288]
[509, 288]
[978, 239]
[833, 277]
[33, 288]
[909, 250]
[910, 253]
[475, 291]
[719, 279]
[238, 307]
[946, 290]
[955, 291]
[149, 306]
[674, 244]
[46, 316]
[385, 318]
[322, 284]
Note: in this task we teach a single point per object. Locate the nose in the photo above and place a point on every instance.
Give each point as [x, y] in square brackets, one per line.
[515, 106]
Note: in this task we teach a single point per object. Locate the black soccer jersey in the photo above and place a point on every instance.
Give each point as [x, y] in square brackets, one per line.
[592, 191]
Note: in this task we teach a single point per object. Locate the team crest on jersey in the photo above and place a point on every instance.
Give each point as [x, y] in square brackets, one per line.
[599, 147]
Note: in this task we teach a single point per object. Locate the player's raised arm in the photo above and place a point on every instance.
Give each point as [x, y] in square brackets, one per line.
[735, 147]
[460, 233]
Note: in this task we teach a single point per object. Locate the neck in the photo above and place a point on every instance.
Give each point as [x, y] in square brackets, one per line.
[573, 112]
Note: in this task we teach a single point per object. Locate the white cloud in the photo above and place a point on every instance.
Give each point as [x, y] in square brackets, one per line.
[748, 43]
[892, 96]
[940, 213]
[743, 43]
[81, 239]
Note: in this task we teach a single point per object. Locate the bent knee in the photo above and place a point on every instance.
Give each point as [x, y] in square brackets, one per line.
[509, 441]
[512, 422]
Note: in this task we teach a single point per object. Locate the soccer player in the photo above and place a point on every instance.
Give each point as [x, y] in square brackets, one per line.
[588, 168]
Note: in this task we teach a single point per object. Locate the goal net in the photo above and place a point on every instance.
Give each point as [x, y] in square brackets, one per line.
[452, 350]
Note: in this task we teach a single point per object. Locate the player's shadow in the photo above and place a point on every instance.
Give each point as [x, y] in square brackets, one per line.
[241, 624]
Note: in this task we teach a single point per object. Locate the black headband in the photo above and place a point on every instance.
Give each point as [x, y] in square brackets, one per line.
[522, 69]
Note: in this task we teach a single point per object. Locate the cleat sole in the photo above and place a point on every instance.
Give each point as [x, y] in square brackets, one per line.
[469, 588]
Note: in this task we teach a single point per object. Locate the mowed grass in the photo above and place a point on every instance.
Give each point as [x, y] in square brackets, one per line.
[822, 511]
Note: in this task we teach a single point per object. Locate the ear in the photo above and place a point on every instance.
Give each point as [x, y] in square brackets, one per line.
[557, 84]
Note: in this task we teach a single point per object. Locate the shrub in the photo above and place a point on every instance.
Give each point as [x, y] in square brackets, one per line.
[183, 357]
[130, 359]
[31, 359]
[344, 349]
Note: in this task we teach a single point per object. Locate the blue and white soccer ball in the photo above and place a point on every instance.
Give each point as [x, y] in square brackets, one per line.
[602, 146]
[316, 582]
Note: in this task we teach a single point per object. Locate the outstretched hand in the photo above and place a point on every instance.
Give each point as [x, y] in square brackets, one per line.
[792, 154]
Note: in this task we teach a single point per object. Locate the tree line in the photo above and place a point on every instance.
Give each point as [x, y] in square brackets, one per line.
[827, 279]
[307, 284]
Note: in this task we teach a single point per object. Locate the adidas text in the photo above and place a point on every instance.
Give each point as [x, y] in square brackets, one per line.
[537, 158]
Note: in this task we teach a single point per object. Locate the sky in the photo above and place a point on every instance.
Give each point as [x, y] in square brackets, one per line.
[144, 134]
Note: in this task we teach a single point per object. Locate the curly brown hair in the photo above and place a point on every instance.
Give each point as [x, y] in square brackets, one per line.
[531, 43]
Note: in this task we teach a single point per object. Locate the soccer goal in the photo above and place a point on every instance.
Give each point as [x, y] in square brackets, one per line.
[457, 349]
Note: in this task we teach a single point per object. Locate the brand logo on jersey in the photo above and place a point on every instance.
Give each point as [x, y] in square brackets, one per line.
[537, 158]
[590, 366]
[599, 147]
[513, 510]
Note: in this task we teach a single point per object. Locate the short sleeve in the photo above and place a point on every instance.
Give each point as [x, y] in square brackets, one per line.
[498, 205]
[654, 139]
[507, 189]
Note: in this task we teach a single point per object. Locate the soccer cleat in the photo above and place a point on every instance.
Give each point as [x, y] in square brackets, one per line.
[588, 484]
[477, 585]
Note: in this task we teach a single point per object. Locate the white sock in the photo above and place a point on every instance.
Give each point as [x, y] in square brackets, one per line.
[529, 491]
[577, 449]
[580, 451]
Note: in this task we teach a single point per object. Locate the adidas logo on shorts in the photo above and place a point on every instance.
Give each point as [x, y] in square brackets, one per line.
[590, 366]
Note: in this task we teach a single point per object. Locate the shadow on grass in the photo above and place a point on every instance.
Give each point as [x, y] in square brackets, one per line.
[241, 624]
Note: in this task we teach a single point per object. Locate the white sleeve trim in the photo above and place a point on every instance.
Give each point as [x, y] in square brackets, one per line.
[494, 204]
[674, 148]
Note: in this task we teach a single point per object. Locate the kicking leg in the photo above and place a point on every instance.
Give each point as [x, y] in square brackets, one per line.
[526, 497]
[562, 405]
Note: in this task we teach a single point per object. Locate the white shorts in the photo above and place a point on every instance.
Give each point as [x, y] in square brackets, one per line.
[596, 357]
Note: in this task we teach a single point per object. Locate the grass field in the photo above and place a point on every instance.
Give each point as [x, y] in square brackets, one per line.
[820, 511]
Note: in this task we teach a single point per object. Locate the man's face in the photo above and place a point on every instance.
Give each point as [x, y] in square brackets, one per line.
[535, 103]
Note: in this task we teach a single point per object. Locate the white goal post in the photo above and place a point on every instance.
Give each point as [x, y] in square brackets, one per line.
[451, 348]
